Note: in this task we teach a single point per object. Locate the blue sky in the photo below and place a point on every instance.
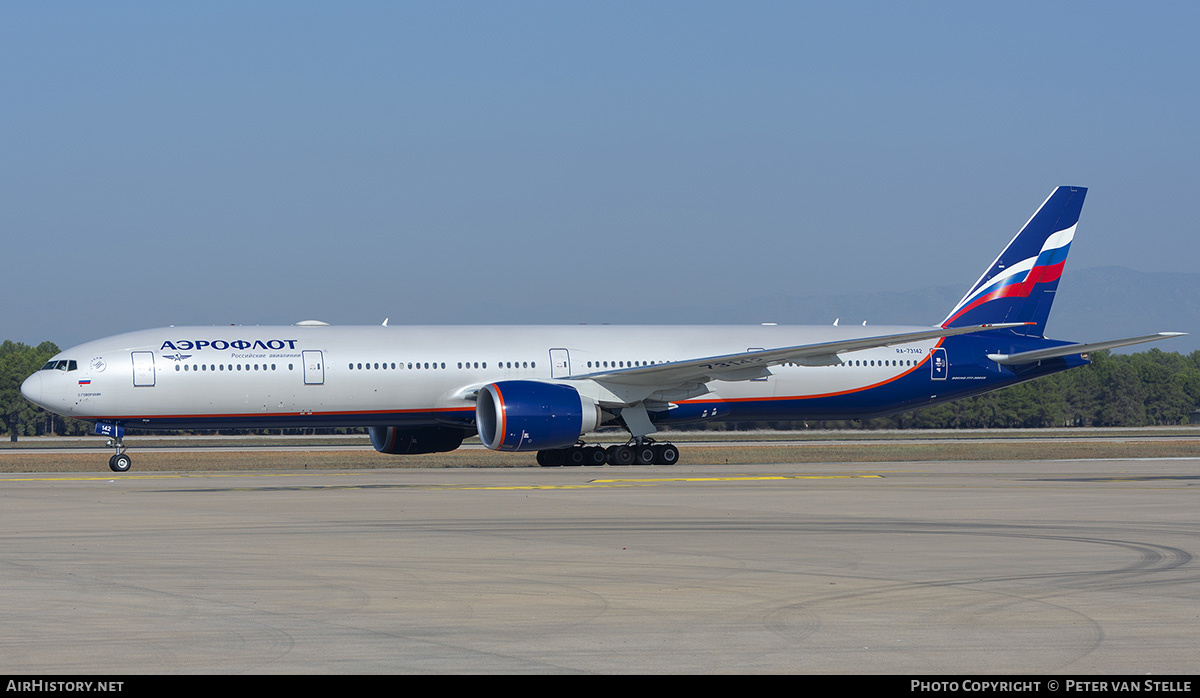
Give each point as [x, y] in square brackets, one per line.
[256, 163]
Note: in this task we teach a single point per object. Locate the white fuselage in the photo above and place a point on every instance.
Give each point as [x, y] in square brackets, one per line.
[245, 375]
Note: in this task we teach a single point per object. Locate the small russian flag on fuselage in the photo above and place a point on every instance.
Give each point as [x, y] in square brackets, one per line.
[85, 381]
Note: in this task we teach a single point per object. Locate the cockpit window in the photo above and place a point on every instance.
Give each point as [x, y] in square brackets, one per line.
[60, 365]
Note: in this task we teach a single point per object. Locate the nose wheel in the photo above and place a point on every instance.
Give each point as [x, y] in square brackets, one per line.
[120, 462]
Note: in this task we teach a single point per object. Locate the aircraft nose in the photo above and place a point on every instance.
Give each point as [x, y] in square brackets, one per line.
[32, 388]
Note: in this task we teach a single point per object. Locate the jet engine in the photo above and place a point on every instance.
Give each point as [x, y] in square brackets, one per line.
[404, 441]
[533, 416]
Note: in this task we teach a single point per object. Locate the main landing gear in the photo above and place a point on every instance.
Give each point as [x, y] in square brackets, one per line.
[120, 462]
[642, 451]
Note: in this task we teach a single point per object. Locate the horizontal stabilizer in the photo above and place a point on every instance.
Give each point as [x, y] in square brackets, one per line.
[1028, 357]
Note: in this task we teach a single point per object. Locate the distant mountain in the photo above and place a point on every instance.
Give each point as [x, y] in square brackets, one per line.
[1118, 302]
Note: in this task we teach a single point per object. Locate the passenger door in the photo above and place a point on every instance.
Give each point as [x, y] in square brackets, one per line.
[560, 363]
[314, 367]
[143, 369]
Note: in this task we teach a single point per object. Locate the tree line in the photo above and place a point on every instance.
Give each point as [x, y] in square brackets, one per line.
[1125, 390]
[18, 416]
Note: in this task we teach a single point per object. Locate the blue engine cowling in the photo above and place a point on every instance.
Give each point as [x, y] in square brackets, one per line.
[533, 416]
[401, 441]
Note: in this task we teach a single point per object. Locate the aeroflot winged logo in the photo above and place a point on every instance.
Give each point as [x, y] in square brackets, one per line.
[222, 345]
[1018, 280]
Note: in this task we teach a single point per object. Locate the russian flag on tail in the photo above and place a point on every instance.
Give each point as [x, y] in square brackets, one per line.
[1020, 285]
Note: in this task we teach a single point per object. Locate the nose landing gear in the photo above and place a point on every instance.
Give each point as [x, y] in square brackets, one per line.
[120, 462]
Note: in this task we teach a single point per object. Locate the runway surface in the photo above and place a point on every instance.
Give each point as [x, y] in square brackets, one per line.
[200, 443]
[966, 568]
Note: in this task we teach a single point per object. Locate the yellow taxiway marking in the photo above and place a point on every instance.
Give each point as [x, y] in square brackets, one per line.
[736, 478]
[157, 476]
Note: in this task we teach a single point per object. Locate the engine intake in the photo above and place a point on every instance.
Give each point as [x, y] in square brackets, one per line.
[533, 416]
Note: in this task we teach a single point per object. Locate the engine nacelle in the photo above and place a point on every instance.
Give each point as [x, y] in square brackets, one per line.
[403, 441]
[533, 416]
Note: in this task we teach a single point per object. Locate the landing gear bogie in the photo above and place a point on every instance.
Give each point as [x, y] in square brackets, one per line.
[645, 453]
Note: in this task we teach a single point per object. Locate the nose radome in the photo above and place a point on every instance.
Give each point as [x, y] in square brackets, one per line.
[32, 388]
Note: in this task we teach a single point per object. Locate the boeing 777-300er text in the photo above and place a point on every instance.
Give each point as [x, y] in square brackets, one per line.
[545, 388]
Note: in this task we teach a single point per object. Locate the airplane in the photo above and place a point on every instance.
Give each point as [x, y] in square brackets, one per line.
[423, 389]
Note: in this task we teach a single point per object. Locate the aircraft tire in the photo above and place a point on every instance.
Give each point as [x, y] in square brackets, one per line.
[550, 458]
[575, 456]
[594, 455]
[666, 454]
[644, 455]
[620, 455]
[120, 463]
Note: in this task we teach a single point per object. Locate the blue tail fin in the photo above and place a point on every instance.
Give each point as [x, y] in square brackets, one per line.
[1020, 284]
